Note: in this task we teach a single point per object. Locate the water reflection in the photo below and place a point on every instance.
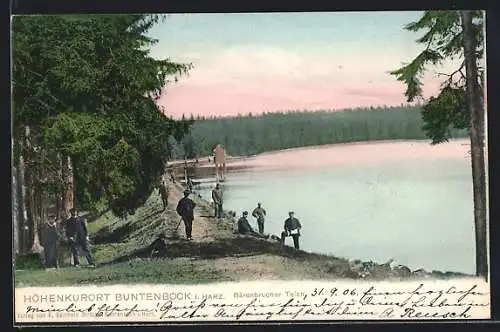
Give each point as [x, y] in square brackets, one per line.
[406, 200]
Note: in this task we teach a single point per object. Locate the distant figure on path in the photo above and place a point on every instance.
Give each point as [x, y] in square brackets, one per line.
[185, 208]
[218, 199]
[220, 162]
[162, 188]
[50, 236]
[172, 175]
[245, 228]
[190, 185]
[292, 228]
[260, 214]
[77, 234]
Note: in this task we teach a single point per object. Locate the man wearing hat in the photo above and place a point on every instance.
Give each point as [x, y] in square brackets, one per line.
[243, 224]
[259, 213]
[217, 197]
[163, 190]
[185, 208]
[245, 228]
[292, 228]
[50, 236]
[78, 237]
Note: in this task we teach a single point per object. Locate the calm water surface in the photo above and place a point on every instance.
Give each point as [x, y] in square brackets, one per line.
[404, 200]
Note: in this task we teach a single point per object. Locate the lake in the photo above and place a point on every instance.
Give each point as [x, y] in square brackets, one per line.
[406, 200]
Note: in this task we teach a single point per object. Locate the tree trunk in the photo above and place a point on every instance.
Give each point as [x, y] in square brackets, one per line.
[61, 214]
[21, 198]
[15, 215]
[37, 215]
[30, 195]
[32, 216]
[477, 130]
[68, 181]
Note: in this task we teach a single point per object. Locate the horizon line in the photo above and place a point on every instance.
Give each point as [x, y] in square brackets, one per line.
[264, 113]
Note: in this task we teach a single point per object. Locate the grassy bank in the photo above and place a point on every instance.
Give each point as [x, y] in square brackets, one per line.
[121, 249]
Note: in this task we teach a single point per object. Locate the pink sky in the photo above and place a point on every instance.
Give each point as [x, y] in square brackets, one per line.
[253, 80]
[327, 62]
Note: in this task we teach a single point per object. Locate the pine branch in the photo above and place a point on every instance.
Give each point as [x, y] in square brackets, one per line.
[449, 81]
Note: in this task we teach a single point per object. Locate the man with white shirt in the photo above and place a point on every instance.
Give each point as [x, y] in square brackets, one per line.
[292, 228]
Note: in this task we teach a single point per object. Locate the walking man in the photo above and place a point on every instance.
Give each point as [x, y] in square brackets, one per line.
[50, 236]
[259, 212]
[185, 209]
[292, 228]
[217, 197]
[77, 234]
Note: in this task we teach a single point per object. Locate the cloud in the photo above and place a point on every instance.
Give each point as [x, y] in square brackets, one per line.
[242, 79]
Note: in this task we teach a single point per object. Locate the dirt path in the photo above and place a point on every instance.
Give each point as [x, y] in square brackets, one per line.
[215, 249]
[206, 228]
[245, 258]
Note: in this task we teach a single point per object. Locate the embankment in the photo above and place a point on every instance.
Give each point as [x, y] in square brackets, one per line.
[122, 251]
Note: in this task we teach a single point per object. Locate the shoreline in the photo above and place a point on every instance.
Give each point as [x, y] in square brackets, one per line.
[327, 155]
[122, 251]
[358, 269]
[465, 142]
[357, 143]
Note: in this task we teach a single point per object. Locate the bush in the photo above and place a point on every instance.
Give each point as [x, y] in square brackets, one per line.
[30, 261]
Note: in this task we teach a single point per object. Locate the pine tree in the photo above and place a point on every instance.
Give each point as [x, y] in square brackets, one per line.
[449, 35]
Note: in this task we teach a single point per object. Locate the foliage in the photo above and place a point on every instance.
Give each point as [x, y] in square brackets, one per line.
[442, 113]
[274, 131]
[442, 40]
[87, 84]
[30, 261]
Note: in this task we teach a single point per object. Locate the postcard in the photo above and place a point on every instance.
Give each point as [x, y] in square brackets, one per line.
[250, 167]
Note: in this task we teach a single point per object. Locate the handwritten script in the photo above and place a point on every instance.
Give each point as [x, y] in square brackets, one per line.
[291, 301]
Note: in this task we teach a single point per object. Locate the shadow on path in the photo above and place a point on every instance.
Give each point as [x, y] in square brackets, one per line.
[237, 246]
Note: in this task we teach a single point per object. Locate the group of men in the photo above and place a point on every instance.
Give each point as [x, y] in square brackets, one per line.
[186, 206]
[75, 235]
[292, 226]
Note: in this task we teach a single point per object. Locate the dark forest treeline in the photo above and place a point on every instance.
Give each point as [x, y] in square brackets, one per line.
[251, 134]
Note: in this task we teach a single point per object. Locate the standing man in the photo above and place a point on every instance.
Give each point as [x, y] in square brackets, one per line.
[50, 236]
[260, 214]
[292, 228]
[190, 185]
[162, 188]
[78, 237]
[217, 197]
[185, 208]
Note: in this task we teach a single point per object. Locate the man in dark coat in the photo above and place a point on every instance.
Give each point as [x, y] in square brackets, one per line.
[259, 213]
[245, 228]
[50, 236]
[292, 228]
[77, 234]
[217, 197]
[185, 208]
